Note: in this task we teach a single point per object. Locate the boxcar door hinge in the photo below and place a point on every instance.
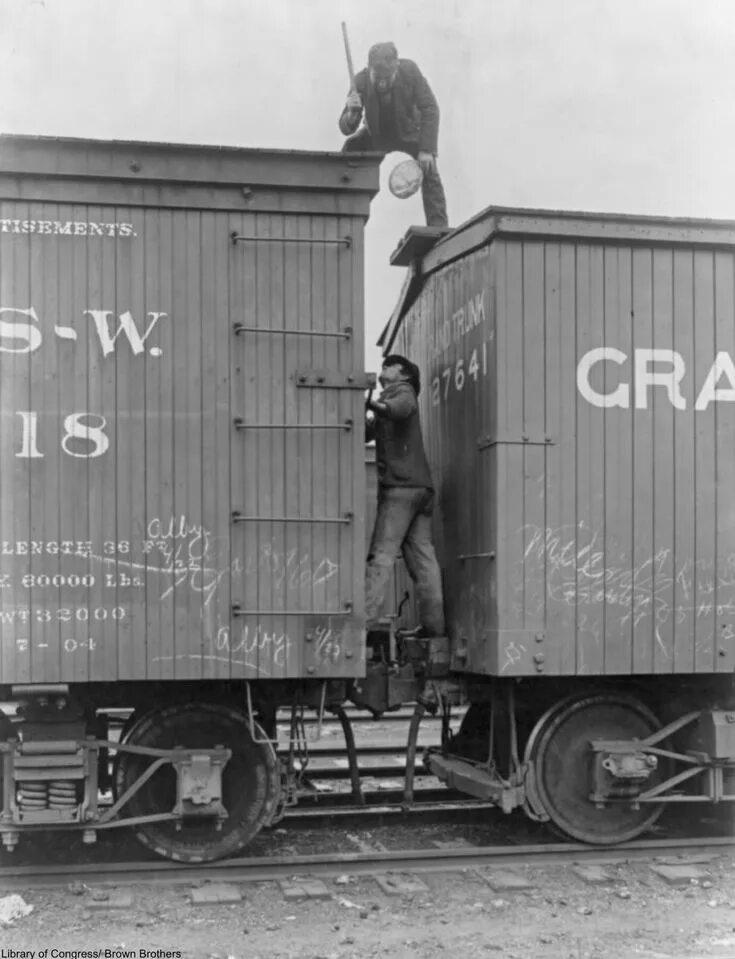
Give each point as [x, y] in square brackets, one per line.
[328, 379]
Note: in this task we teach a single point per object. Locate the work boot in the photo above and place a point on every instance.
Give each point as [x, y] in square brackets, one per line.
[439, 656]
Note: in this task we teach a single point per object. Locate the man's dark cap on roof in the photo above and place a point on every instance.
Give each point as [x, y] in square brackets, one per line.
[382, 53]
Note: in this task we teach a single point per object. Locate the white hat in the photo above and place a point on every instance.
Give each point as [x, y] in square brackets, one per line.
[405, 179]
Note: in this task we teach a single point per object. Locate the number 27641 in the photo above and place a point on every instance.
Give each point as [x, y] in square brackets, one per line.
[459, 375]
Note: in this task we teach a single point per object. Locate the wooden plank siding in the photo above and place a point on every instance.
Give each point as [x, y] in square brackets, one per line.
[723, 651]
[609, 434]
[118, 546]
[705, 458]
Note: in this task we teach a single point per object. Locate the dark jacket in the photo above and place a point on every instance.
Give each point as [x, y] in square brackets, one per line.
[399, 447]
[416, 109]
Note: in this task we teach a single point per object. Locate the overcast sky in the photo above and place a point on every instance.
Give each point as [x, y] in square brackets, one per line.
[606, 105]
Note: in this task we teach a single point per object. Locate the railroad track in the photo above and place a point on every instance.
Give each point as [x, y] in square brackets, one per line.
[257, 869]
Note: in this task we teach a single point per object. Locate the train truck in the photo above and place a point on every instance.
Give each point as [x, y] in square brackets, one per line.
[183, 496]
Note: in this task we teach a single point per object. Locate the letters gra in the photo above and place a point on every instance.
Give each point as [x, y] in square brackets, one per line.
[648, 369]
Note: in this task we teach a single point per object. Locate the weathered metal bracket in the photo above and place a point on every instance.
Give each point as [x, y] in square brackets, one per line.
[328, 379]
[331, 643]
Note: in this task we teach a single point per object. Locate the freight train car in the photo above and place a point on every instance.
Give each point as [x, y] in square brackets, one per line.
[578, 407]
[182, 470]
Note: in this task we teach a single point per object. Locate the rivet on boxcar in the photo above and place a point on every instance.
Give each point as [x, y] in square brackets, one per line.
[539, 658]
[320, 379]
[309, 637]
[348, 654]
[723, 652]
[539, 637]
[247, 193]
[524, 437]
[310, 669]
[345, 178]
[134, 166]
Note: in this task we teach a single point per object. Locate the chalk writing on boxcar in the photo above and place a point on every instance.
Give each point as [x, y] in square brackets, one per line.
[579, 571]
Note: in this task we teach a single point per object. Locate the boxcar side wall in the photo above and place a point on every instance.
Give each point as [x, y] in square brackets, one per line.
[181, 499]
[587, 520]
[622, 531]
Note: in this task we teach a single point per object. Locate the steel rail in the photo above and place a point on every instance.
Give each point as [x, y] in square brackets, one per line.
[389, 804]
[249, 869]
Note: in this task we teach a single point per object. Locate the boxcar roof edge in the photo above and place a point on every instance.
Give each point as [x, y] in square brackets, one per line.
[146, 161]
[495, 222]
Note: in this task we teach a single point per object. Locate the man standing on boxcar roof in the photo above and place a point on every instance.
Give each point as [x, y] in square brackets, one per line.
[405, 497]
[401, 113]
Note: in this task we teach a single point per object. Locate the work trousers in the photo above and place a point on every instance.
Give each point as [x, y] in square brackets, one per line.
[403, 523]
[432, 190]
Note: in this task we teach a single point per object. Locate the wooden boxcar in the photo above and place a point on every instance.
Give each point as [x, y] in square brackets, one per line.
[182, 502]
[578, 406]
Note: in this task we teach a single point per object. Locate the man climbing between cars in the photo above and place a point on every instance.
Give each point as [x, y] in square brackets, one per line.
[405, 497]
[401, 113]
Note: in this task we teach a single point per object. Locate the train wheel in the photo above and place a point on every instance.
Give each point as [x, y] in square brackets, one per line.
[250, 780]
[563, 766]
